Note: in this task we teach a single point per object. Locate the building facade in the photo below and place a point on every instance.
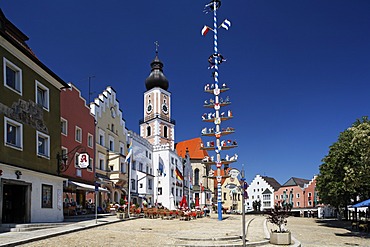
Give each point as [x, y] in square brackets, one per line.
[202, 185]
[78, 137]
[261, 191]
[30, 188]
[142, 171]
[110, 147]
[293, 191]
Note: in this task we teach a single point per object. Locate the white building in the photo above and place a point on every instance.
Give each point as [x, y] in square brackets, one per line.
[261, 190]
[142, 172]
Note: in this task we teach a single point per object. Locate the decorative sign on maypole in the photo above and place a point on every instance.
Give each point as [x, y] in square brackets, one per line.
[217, 102]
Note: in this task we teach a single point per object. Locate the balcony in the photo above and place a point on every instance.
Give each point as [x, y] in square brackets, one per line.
[117, 175]
[154, 116]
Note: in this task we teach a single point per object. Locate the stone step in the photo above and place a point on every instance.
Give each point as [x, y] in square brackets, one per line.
[28, 227]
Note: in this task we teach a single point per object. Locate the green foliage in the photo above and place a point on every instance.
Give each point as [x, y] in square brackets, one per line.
[344, 173]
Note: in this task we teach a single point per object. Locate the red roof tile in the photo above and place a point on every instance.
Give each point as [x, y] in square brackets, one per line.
[193, 145]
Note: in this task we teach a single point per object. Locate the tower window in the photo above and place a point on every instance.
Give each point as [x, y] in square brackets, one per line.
[148, 131]
[165, 130]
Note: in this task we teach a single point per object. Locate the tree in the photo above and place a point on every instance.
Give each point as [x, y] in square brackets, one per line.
[344, 174]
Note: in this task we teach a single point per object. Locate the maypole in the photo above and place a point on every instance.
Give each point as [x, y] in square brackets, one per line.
[216, 117]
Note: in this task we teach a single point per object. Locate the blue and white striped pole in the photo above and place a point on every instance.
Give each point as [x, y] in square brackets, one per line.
[216, 61]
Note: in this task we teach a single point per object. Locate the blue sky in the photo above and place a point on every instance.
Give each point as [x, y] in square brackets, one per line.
[298, 70]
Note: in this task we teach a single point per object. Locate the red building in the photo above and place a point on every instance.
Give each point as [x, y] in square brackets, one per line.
[78, 131]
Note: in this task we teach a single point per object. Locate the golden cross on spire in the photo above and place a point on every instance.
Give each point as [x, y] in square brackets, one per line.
[156, 46]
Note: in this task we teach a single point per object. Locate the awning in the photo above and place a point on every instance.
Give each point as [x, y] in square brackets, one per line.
[365, 203]
[87, 187]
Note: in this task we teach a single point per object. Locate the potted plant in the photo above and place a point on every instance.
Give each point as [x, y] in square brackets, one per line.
[278, 217]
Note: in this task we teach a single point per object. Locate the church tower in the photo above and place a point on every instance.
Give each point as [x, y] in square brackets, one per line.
[157, 126]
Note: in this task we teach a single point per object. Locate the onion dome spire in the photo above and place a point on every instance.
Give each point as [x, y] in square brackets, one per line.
[156, 77]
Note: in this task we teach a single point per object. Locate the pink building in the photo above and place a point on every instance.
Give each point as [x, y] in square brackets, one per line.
[304, 196]
[78, 131]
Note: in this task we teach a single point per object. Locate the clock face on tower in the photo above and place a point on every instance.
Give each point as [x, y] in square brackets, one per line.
[149, 108]
[165, 109]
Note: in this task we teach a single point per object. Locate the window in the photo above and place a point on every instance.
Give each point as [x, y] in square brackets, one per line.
[133, 184]
[309, 203]
[146, 153]
[159, 191]
[42, 95]
[297, 204]
[225, 198]
[90, 140]
[64, 151]
[140, 166]
[150, 156]
[78, 135]
[141, 185]
[133, 165]
[101, 137]
[267, 197]
[196, 176]
[165, 130]
[43, 145]
[297, 195]
[171, 173]
[150, 182]
[148, 131]
[111, 145]
[76, 160]
[172, 160]
[64, 126]
[13, 136]
[47, 196]
[101, 165]
[12, 76]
